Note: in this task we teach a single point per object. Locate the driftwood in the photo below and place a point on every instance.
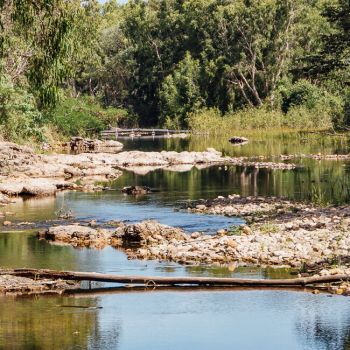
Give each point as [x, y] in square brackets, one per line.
[154, 281]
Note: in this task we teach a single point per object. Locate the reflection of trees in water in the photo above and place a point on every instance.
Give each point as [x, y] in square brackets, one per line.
[43, 323]
[323, 328]
[326, 179]
[18, 249]
[34, 208]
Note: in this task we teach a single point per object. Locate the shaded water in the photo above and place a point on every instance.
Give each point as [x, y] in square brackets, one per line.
[325, 181]
[168, 319]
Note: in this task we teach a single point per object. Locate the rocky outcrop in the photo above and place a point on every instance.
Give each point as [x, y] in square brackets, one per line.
[23, 162]
[136, 190]
[80, 236]
[22, 171]
[80, 144]
[235, 205]
[23, 285]
[146, 232]
[310, 236]
[238, 140]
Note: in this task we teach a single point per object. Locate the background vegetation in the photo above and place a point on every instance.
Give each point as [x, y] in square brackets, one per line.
[77, 66]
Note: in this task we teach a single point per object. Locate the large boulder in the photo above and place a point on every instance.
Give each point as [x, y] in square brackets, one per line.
[151, 232]
[31, 187]
[39, 187]
[11, 188]
[136, 190]
[238, 140]
[78, 235]
[80, 144]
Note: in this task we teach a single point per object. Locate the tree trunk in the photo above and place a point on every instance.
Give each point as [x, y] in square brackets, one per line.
[172, 281]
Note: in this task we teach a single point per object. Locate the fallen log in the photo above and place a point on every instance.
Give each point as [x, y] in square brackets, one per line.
[173, 281]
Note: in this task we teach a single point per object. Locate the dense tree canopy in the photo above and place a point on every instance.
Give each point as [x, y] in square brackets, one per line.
[163, 60]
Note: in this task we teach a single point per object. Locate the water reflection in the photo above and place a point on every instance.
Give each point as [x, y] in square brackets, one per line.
[245, 320]
[41, 323]
[320, 181]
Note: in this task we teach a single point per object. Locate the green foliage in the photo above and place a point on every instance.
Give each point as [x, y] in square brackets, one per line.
[84, 116]
[263, 118]
[180, 92]
[333, 53]
[347, 108]
[234, 231]
[308, 105]
[170, 58]
[211, 64]
[19, 117]
[302, 93]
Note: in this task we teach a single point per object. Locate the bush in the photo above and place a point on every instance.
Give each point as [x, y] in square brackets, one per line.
[180, 93]
[84, 116]
[346, 120]
[302, 93]
[308, 106]
[20, 119]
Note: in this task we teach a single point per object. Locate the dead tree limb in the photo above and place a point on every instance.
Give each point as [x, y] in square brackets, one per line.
[153, 281]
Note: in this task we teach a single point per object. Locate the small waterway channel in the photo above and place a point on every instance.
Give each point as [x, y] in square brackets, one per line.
[226, 319]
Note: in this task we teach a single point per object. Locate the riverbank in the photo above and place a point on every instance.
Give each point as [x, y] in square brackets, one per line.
[278, 233]
[150, 240]
[16, 285]
[24, 172]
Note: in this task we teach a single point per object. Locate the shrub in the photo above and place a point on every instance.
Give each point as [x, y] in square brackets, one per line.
[310, 106]
[84, 116]
[302, 93]
[20, 119]
[180, 93]
[347, 109]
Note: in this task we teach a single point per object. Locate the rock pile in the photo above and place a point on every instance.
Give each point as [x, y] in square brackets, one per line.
[238, 140]
[235, 205]
[136, 190]
[13, 156]
[290, 239]
[23, 285]
[80, 144]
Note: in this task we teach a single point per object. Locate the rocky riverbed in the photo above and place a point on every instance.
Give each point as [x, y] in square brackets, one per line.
[22, 171]
[318, 156]
[278, 233]
[22, 285]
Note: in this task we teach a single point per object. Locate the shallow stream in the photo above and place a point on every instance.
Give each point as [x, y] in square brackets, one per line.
[228, 319]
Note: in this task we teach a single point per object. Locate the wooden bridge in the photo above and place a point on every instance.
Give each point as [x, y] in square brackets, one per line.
[137, 132]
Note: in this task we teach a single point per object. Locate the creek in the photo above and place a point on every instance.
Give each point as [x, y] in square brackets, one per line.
[240, 319]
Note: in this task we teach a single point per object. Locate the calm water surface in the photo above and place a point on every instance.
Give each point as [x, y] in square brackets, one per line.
[252, 320]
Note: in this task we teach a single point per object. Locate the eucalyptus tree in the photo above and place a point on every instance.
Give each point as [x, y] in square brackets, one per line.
[39, 42]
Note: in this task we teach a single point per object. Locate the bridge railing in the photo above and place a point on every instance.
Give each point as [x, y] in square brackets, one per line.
[140, 131]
